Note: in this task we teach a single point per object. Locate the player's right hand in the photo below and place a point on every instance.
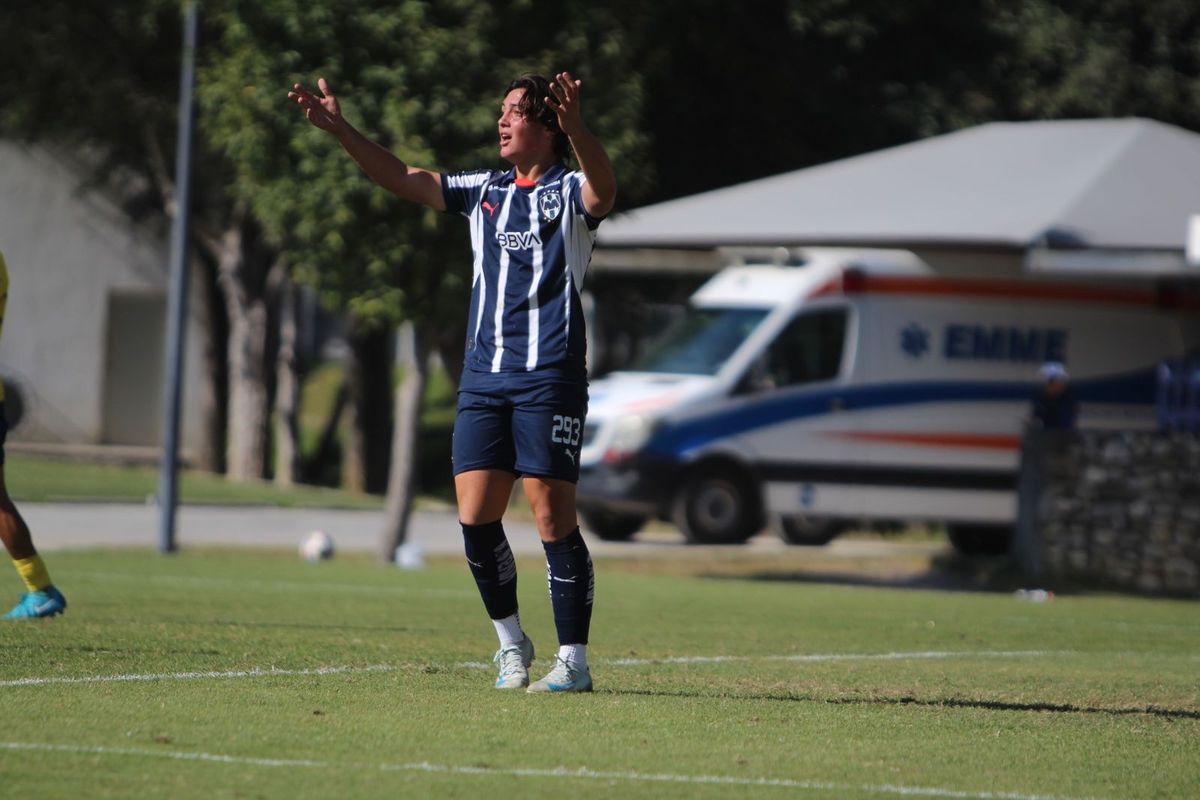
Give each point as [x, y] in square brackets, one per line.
[322, 111]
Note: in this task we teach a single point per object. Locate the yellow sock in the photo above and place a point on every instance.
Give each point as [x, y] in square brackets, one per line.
[33, 571]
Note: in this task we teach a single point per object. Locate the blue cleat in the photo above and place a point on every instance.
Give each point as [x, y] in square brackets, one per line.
[47, 602]
[514, 662]
[565, 677]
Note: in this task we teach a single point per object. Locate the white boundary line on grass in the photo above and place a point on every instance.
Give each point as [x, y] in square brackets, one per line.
[618, 662]
[195, 676]
[582, 773]
[206, 580]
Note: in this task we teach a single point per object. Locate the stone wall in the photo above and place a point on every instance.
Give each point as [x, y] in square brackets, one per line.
[1118, 509]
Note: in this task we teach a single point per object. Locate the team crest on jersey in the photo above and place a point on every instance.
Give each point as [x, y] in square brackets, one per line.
[550, 205]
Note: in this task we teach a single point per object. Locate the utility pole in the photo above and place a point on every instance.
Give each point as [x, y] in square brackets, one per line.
[177, 298]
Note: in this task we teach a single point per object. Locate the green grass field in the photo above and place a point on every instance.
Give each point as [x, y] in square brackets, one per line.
[242, 674]
[37, 479]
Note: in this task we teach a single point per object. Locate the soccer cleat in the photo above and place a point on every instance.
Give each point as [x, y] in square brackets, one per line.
[514, 661]
[565, 677]
[44, 603]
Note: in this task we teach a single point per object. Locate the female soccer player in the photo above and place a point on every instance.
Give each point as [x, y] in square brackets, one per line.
[523, 395]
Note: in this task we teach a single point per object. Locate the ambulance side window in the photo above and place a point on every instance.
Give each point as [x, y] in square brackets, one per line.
[808, 349]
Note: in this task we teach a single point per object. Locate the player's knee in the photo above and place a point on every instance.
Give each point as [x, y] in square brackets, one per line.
[543, 517]
[473, 518]
[555, 524]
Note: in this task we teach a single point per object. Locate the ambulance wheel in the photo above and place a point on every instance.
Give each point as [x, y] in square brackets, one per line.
[612, 526]
[806, 531]
[980, 540]
[717, 506]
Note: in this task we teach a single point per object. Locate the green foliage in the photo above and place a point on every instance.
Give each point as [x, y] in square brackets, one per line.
[715, 92]
[1092, 58]
[91, 71]
[741, 92]
[1082, 697]
[101, 80]
[745, 92]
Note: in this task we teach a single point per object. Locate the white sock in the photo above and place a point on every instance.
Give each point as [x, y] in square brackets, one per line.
[574, 654]
[509, 630]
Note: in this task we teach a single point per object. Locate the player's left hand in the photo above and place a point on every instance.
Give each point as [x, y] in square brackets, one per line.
[567, 102]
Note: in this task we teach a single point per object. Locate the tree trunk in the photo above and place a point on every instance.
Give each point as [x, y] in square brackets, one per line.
[365, 454]
[246, 273]
[287, 390]
[214, 386]
[245, 453]
[409, 398]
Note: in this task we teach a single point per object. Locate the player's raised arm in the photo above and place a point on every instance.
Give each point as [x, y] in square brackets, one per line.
[380, 164]
[600, 191]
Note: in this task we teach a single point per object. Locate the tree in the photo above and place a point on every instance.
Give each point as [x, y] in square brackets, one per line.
[772, 86]
[1098, 58]
[744, 91]
[110, 106]
[115, 98]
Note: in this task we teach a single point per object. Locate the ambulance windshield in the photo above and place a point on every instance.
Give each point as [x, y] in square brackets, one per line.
[700, 341]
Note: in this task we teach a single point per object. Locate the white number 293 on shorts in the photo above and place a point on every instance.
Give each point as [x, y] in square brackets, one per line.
[566, 430]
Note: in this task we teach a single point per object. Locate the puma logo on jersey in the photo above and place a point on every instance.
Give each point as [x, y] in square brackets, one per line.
[491, 209]
[518, 241]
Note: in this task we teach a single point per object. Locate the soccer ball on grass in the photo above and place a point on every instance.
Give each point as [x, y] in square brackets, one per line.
[316, 546]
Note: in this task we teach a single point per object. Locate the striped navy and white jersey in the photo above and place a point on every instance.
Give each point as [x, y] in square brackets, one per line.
[532, 244]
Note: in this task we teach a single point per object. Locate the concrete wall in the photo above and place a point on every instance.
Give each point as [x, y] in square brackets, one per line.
[1114, 508]
[69, 251]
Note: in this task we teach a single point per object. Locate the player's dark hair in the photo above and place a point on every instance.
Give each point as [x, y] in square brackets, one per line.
[533, 105]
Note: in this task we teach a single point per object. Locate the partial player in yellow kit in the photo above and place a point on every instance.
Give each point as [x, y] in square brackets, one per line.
[41, 599]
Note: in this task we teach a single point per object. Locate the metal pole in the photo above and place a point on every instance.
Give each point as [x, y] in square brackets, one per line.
[177, 299]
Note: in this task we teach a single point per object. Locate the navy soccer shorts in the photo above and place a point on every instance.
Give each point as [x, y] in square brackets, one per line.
[525, 423]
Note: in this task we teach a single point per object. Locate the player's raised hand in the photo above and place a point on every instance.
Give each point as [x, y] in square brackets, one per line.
[566, 100]
[322, 111]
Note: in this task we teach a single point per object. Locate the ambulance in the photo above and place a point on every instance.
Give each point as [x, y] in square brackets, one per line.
[849, 387]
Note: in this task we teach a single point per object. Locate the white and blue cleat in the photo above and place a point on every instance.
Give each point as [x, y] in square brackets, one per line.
[514, 662]
[47, 602]
[565, 677]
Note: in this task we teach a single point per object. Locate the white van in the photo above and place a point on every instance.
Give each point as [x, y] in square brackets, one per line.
[859, 385]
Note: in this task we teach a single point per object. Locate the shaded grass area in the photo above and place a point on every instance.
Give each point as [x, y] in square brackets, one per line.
[39, 479]
[705, 687]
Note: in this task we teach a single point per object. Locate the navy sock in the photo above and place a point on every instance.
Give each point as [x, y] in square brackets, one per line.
[492, 564]
[572, 584]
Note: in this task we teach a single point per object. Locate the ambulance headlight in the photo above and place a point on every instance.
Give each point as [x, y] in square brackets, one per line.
[630, 433]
